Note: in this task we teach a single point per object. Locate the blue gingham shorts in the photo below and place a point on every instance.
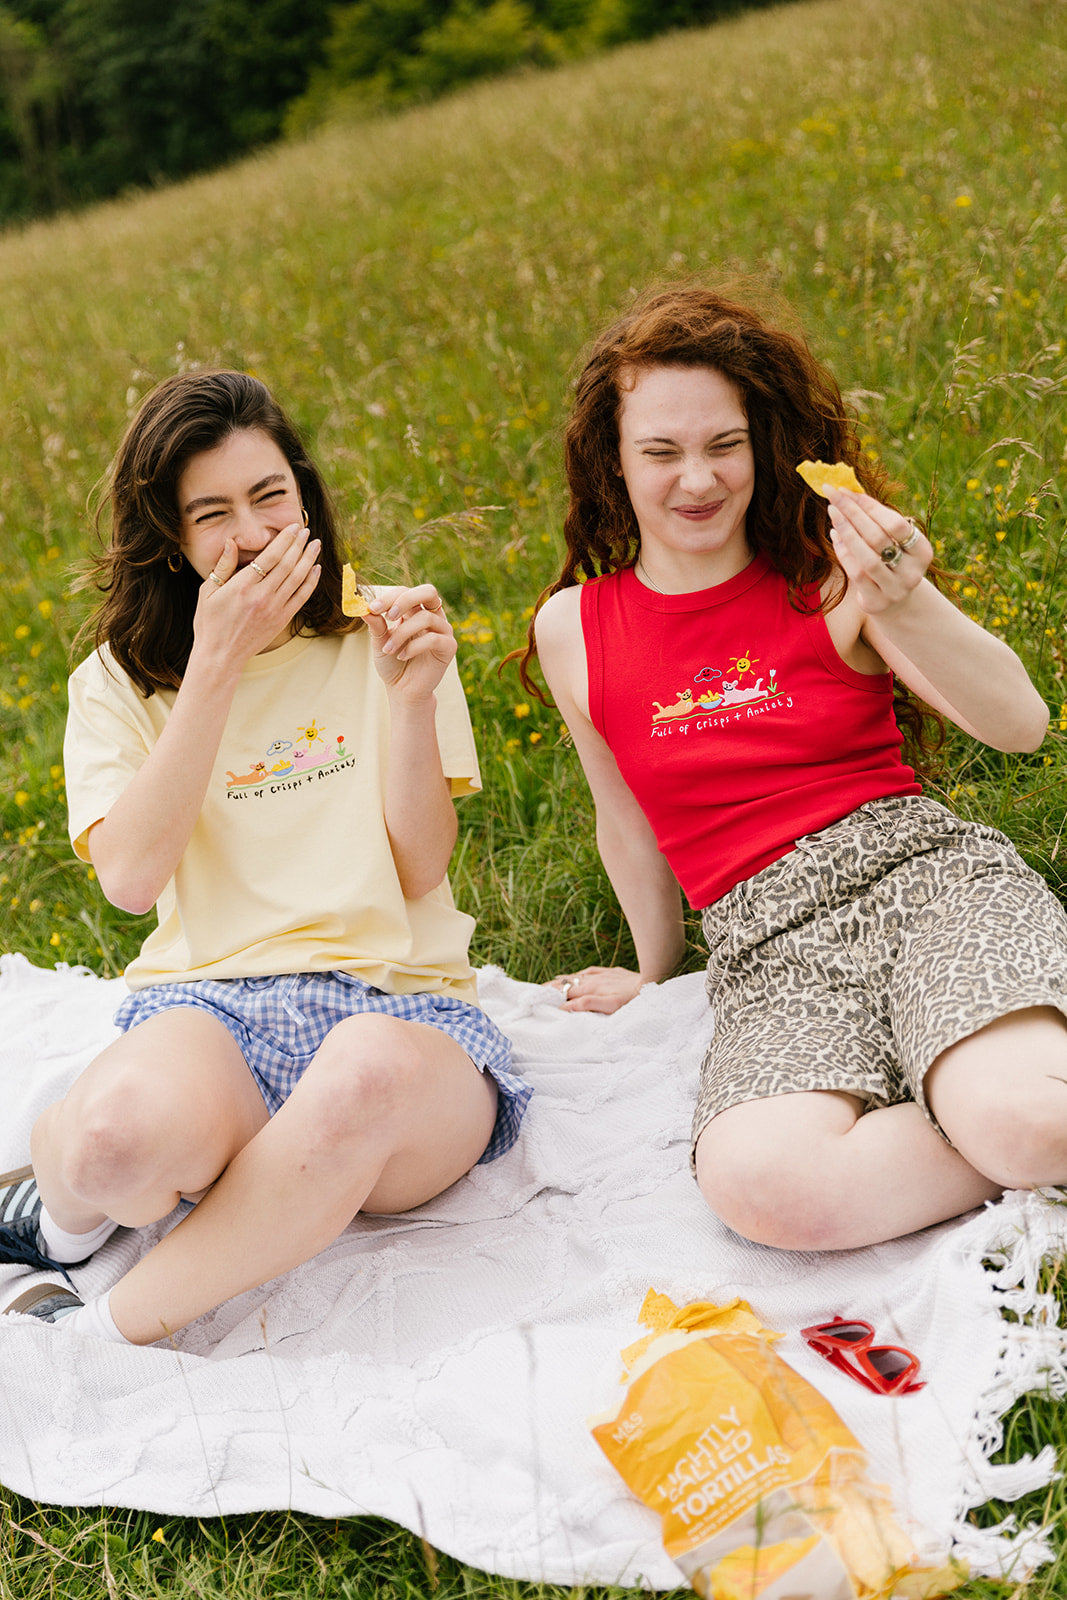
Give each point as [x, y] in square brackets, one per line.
[280, 1022]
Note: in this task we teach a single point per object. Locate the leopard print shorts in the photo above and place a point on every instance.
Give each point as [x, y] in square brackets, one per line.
[855, 960]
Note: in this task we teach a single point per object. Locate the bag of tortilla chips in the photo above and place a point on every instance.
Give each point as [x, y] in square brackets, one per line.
[762, 1490]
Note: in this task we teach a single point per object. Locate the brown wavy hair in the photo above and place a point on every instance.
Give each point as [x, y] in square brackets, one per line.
[146, 615]
[795, 412]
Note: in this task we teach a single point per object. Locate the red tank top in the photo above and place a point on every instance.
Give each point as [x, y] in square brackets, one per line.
[734, 721]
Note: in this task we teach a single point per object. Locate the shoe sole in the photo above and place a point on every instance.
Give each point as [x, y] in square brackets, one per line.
[35, 1296]
[8, 1178]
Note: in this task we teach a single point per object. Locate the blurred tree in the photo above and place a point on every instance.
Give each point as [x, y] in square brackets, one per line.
[31, 95]
[96, 95]
[477, 41]
[265, 52]
[611, 22]
[150, 87]
[373, 35]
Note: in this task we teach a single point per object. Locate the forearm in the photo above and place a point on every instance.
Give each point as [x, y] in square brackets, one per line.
[952, 663]
[650, 899]
[136, 848]
[419, 815]
[960, 667]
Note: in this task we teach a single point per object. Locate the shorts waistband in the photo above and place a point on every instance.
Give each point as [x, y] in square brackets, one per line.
[845, 858]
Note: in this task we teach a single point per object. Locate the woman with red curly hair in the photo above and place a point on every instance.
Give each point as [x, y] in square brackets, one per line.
[736, 658]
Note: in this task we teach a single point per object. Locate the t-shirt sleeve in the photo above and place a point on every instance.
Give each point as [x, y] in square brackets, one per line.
[103, 747]
[455, 737]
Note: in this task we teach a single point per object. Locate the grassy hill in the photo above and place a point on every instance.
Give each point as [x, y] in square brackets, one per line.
[419, 292]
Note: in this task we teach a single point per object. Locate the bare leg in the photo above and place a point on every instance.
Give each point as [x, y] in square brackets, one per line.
[388, 1114]
[806, 1172]
[1001, 1096]
[158, 1114]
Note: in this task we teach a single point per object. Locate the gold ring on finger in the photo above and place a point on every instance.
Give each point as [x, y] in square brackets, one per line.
[257, 568]
[916, 533]
[216, 580]
[891, 555]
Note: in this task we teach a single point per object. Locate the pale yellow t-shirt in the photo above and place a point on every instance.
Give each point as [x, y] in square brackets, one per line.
[289, 867]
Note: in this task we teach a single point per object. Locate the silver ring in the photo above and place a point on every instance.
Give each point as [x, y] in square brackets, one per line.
[257, 568]
[891, 555]
[440, 606]
[216, 580]
[916, 533]
[566, 986]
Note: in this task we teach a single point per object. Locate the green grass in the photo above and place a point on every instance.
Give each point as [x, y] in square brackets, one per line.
[418, 291]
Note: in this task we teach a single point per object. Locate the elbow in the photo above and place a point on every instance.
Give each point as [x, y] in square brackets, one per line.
[1018, 727]
[416, 885]
[1040, 727]
[419, 874]
[1029, 731]
[138, 905]
[128, 892]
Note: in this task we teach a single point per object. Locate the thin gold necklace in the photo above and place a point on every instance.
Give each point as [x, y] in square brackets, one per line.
[648, 580]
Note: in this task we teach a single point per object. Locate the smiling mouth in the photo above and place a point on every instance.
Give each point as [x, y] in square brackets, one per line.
[696, 512]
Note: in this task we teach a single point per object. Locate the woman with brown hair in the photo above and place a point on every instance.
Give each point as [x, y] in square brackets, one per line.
[302, 1040]
[735, 657]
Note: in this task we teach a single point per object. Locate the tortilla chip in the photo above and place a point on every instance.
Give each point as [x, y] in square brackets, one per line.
[353, 602]
[819, 475]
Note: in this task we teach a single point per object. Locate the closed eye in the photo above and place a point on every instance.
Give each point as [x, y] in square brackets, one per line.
[719, 447]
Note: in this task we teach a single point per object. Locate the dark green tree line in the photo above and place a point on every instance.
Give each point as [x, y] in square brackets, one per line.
[100, 95]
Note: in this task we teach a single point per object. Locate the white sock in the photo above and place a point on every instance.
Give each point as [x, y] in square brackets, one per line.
[95, 1318]
[66, 1247]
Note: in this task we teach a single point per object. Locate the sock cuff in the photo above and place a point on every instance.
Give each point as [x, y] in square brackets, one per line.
[95, 1319]
[69, 1248]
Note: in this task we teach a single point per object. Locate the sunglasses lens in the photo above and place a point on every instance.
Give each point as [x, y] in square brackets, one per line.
[889, 1363]
[854, 1332]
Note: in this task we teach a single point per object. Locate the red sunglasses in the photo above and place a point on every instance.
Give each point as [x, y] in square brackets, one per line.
[850, 1346]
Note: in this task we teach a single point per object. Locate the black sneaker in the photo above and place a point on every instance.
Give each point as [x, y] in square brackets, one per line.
[20, 1217]
[45, 1301]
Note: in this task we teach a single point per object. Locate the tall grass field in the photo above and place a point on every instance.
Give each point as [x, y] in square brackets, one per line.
[419, 292]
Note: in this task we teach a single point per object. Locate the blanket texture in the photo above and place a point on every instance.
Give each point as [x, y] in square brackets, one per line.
[438, 1369]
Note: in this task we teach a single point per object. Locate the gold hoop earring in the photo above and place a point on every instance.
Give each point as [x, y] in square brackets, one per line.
[304, 513]
[170, 561]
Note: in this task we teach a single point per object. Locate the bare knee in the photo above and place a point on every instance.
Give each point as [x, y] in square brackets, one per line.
[1001, 1097]
[105, 1144]
[768, 1194]
[1018, 1139]
[363, 1078]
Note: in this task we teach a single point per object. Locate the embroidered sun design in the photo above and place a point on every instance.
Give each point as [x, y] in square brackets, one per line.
[310, 733]
[743, 663]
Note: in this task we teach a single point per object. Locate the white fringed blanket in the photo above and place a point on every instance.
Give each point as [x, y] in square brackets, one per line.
[438, 1369]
